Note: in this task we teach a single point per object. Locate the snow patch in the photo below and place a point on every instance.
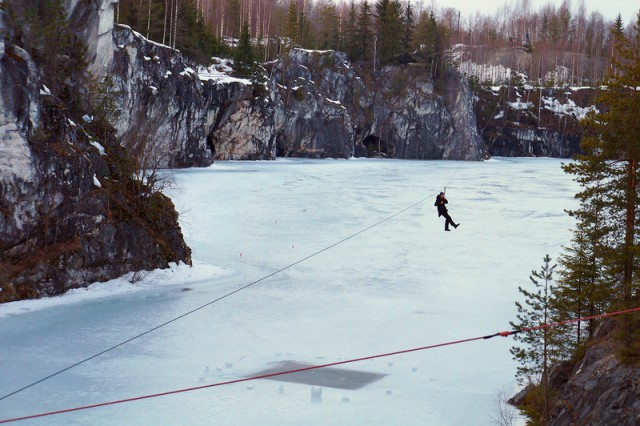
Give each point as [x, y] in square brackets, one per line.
[99, 147]
[519, 105]
[219, 73]
[188, 72]
[315, 51]
[176, 275]
[568, 108]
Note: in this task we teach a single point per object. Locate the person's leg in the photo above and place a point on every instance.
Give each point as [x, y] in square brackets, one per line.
[447, 221]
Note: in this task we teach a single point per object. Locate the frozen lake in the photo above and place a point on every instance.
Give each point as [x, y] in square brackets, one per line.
[329, 260]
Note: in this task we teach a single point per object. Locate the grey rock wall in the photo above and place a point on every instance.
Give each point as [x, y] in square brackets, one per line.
[598, 389]
[190, 121]
[324, 108]
[65, 221]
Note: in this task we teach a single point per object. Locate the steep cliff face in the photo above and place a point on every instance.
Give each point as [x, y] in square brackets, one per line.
[527, 122]
[425, 123]
[68, 213]
[600, 389]
[187, 119]
[316, 105]
[326, 108]
[314, 92]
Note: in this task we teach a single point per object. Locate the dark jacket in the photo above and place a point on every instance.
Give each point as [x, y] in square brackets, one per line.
[440, 203]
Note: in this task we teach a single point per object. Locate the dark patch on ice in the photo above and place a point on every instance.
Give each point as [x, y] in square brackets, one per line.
[326, 377]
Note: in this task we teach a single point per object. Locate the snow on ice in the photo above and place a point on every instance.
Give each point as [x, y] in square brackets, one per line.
[306, 262]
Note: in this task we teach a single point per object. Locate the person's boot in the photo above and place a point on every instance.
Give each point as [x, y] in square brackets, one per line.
[455, 225]
[447, 229]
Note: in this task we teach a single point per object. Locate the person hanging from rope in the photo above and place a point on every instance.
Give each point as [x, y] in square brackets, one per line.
[442, 211]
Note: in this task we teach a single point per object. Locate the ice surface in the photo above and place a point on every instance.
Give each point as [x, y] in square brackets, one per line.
[340, 259]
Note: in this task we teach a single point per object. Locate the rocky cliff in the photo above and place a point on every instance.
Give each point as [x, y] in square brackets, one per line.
[522, 121]
[327, 108]
[597, 388]
[316, 104]
[71, 211]
[189, 119]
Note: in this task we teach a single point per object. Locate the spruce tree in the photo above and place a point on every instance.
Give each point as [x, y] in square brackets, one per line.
[305, 33]
[389, 29]
[328, 35]
[53, 46]
[617, 31]
[350, 31]
[291, 24]
[364, 38]
[245, 56]
[428, 39]
[408, 28]
[535, 311]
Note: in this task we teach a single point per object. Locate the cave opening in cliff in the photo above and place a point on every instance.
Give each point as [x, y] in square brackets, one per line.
[377, 147]
[211, 145]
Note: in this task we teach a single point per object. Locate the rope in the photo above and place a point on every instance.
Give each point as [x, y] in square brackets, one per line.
[560, 323]
[316, 367]
[455, 172]
[211, 302]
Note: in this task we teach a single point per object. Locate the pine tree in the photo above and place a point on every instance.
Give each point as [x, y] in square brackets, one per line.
[612, 142]
[583, 288]
[542, 348]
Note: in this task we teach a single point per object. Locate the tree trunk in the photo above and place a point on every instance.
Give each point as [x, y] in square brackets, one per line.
[629, 244]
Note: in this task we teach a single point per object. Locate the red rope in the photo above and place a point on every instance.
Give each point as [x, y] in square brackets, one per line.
[556, 324]
[314, 367]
